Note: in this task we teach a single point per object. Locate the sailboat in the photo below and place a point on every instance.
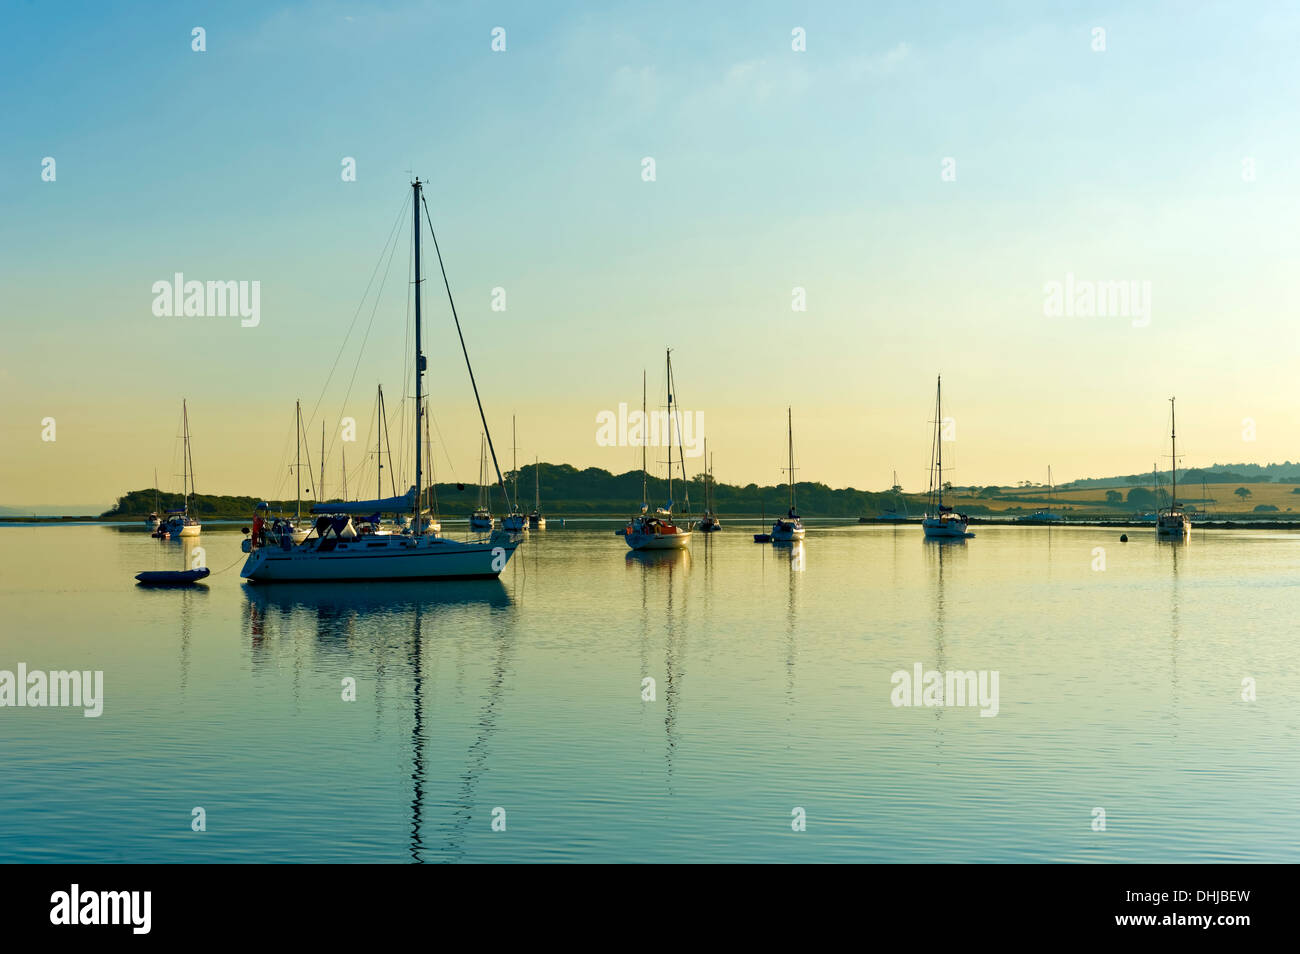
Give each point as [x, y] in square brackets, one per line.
[895, 511]
[709, 523]
[1171, 521]
[429, 522]
[940, 522]
[338, 554]
[657, 531]
[535, 519]
[481, 520]
[514, 521]
[179, 522]
[789, 527]
[1045, 514]
[153, 521]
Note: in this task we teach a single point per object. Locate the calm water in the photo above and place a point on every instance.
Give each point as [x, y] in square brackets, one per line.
[1118, 689]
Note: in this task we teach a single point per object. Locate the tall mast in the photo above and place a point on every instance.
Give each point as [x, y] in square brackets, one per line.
[789, 420]
[320, 496]
[185, 455]
[514, 460]
[419, 358]
[669, 375]
[297, 467]
[379, 447]
[938, 431]
[1173, 458]
[645, 439]
[537, 487]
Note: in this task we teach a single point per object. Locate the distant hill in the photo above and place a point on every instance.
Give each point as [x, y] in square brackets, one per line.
[564, 490]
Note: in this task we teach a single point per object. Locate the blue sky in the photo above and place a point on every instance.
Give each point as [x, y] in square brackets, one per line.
[818, 169]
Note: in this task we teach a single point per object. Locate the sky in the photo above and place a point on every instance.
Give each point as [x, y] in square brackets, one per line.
[921, 172]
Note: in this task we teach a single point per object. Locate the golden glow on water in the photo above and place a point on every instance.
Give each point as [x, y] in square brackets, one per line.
[1119, 688]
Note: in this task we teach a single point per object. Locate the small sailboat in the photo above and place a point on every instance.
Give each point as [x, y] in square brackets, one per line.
[481, 520]
[896, 510]
[657, 531]
[153, 521]
[1171, 522]
[339, 553]
[535, 519]
[515, 521]
[709, 522]
[179, 522]
[1043, 514]
[940, 522]
[789, 528]
[763, 537]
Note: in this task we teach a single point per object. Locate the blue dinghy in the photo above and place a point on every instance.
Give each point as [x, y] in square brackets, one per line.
[172, 577]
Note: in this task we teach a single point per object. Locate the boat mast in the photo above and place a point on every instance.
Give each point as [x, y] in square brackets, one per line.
[297, 467]
[645, 440]
[938, 435]
[419, 358]
[514, 460]
[789, 421]
[1173, 459]
[669, 360]
[320, 496]
[379, 448]
[537, 487]
[185, 456]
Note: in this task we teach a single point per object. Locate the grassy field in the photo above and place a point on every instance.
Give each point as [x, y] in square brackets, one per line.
[1222, 499]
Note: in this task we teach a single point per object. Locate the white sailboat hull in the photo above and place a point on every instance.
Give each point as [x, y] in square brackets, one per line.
[391, 558]
[945, 528]
[657, 541]
[191, 530]
[1173, 526]
[784, 533]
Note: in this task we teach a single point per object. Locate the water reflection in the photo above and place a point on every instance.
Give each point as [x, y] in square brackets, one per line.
[666, 565]
[367, 623]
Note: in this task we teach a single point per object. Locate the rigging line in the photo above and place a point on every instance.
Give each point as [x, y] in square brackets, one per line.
[364, 338]
[357, 314]
[443, 444]
[464, 350]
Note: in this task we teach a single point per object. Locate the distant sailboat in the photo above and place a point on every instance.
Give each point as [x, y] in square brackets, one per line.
[481, 520]
[896, 510]
[1044, 514]
[657, 531]
[789, 527]
[940, 522]
[535, 519]
[179, 522]
[515, 521]
[1171, 522]
[709, 522]
[153, 521]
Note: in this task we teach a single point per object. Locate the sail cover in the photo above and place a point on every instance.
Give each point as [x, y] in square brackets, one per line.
[387, 505]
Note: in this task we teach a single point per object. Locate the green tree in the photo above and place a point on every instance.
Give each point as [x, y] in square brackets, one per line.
[1114, 497]
[1243, 493]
